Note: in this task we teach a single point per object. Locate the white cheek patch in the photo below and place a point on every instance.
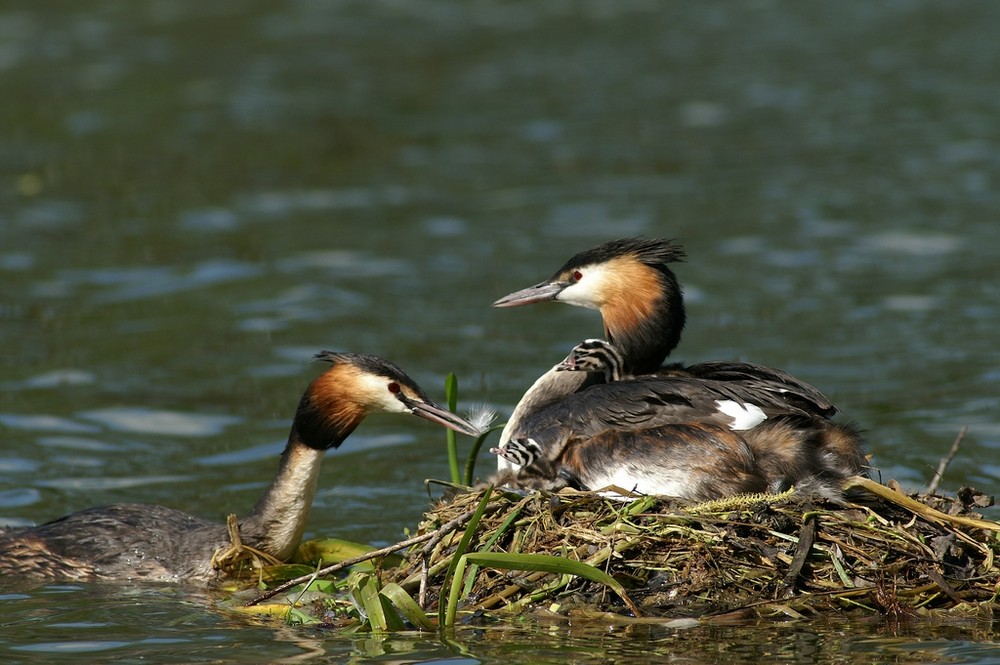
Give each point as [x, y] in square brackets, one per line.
[374, 390]
[745, 416]
[586, 292]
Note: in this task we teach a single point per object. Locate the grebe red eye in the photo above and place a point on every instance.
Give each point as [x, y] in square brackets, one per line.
[394, 387]
[577, 275]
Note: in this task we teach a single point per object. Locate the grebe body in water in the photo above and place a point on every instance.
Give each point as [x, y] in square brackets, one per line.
[156, 543]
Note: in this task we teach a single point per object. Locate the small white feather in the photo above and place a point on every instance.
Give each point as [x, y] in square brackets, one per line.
[745, 416]
[481, 416]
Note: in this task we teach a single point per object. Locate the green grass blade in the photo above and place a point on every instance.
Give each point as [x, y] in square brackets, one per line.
[451, 395]
[545, 563]
[502, 529]
[444, 611]
[470, 461]
[550, 564]
[407, 606]
[455, 592]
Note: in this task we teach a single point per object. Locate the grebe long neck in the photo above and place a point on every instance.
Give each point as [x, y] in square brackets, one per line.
[646, 324]
[278, 520]
[325, 417]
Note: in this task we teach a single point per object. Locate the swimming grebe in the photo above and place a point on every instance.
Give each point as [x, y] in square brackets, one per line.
[155, 543]
[642, 308]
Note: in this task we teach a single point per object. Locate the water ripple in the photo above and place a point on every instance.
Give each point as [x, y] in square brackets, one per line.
[358, 264]
[100, 484]
[60, 377]
[319, 200]
[17, 465]
[22, 496]
[912, 243]
[78, 443]
[142, 420]
[168, 282]
[78, 646]
[44, 423]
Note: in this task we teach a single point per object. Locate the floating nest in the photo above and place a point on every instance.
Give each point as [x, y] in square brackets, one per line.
[883, 552]
[584, 554]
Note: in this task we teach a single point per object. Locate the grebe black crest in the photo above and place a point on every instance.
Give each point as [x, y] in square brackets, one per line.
[156, 543]
[630, 282]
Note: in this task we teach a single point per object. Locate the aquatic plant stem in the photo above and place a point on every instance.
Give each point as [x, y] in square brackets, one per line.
[446, 612]
[470, 460]
[916, 507]
[946, 460]
[451, 395]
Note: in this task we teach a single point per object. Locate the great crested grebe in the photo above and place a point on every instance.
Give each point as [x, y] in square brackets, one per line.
[155, 543]
[679, 436]
[784, 460]
[642, 308]
[675, 435]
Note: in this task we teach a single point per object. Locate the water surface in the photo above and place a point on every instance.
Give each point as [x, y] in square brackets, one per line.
[197, 197]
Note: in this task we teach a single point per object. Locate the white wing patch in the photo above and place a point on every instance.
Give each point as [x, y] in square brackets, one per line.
[745, 416]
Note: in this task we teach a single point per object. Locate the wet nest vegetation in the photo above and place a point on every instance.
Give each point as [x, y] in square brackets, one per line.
[884, 552]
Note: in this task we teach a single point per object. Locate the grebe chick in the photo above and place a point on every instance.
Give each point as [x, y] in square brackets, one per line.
[154, 543]
[550, 387]
[596, 355]
[641, 304]
[783, 459]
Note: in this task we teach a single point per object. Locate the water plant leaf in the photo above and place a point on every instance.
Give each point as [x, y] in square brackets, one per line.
[283, 571]
[381, 615]
[547, 563]
[279, 610]
[298, 617]
[326, 551]
[407, 606]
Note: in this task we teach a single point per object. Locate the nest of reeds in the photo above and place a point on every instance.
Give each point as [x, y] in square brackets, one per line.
[764, 555]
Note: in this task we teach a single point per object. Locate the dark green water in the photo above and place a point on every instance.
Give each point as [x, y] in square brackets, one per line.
[195, 197]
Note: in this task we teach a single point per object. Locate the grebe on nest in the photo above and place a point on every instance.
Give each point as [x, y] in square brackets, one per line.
[642, 307]
[155, 543]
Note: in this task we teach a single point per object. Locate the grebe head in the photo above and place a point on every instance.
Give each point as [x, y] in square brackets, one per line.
[630, 282]
[355, 386]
